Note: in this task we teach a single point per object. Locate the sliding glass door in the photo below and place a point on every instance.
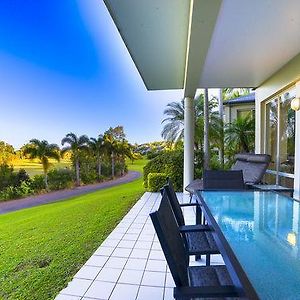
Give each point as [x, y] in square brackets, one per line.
[280, 139]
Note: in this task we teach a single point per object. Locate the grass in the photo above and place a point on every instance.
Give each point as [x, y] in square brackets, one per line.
[41, 248]
[33, 167]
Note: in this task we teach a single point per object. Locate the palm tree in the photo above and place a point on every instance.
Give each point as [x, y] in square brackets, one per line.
[110, 144]
[124, 149]
[43, 151]
[174, 122]
[97, 147]
[76, 146]
[240, 134]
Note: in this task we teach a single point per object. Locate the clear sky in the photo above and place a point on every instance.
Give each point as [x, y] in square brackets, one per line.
[64, 67]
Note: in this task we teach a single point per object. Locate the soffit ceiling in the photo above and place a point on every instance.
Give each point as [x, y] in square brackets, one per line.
[251, 40]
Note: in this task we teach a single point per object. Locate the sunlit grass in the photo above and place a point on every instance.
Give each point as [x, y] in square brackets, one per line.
[33, 167]
[41, 248]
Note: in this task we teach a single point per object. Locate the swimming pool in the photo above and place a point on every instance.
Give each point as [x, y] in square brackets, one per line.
[262, 229]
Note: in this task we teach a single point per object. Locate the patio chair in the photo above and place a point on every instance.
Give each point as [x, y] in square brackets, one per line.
[254, 167]
[191, 281]
[223, 180]
[198, 239]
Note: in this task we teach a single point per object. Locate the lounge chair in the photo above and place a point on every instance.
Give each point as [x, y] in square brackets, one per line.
[253, 166]
[191, 281]
[198, 239]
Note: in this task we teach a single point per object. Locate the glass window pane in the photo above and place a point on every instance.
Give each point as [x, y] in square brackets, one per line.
[271, 131]
[287, 134]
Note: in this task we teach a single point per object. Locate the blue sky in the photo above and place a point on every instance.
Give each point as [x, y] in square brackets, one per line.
[64, 67]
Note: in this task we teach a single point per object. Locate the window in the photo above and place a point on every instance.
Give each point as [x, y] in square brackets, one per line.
[280, 139]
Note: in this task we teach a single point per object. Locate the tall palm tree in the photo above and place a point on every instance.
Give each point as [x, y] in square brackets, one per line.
[97, 147]
[110, 144]
[43, 151]
[76, 146]
[174, 122]
[240, 134]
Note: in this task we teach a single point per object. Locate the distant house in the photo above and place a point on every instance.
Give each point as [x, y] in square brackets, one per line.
[239, 107]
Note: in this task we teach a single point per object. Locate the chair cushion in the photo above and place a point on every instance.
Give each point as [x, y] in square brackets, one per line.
[201, 241]
[209, 276]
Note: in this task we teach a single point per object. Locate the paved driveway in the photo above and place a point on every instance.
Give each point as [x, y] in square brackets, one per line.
[13, 205]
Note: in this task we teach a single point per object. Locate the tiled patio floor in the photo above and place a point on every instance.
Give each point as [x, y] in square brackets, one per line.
[129, 264]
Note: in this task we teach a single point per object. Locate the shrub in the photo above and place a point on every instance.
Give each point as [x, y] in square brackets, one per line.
[59, 179]
[14, 192]
[169, 163]
[7, 176]
[156, 181]
[89, 176]
[21, 176]
[38, 183]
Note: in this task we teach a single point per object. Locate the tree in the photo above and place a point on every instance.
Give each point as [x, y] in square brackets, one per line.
[43, 151]
[76, 146]
[231, 93]
[7, 153]
[240, 134]
[117, 147]
[97, 146]
[174, 122]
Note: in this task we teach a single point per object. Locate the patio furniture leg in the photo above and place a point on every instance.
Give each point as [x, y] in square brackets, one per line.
[207, 260]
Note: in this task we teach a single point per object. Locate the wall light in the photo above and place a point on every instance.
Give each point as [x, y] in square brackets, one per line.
[295, 104]
[292, 238]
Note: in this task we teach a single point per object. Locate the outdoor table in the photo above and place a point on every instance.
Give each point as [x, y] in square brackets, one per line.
[273, 188]
[258, 236]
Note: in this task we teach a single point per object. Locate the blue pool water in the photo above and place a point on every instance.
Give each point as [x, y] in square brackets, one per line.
[262, 228]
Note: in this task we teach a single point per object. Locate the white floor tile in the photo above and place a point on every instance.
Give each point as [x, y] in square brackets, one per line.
[109, 274]
[116, 262]
[110, 243]
[169, 280]
[104, 251]
[131, 277]
[156, 265]
[126, 244]
[77, 287]
[100, 290]
[135, 264]
[130, 237]
[97, 261]
[139, 253]
[121, 252]
[88, 272]
[143, 245]
[124, 291]
[146, 237]
[150, 293]
[154, 278]
[156, 254]
[168, 294]
[66, 297]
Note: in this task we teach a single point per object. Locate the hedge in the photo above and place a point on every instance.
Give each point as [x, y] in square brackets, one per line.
[156, 181]
[169, 163]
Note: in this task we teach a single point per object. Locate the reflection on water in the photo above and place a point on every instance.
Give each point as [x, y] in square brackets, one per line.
[244, 217]
[263, 230]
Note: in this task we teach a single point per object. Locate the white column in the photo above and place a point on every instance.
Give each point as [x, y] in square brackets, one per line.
[297, 149]
[189, 128]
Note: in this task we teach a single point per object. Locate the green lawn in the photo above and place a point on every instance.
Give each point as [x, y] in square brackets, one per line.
[41, 248]
[33, 167]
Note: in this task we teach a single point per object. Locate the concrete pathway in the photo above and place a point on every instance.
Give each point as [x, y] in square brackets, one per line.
[13, 205]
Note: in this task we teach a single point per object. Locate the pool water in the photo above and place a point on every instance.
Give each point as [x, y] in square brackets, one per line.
[262, 228]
